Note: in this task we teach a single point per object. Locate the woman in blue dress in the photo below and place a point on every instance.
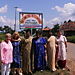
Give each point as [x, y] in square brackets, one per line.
[16, 42]
[38, 48]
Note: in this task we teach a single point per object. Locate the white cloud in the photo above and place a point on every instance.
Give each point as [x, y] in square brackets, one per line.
[3, 9]
[67, 10]
[59, 9]
[6, 21]
[19, 10]
[2, 19]
[53, 21]
[65, 13]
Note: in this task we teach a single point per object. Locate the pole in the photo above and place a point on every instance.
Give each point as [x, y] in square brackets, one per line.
[31, 31]
[15, 19]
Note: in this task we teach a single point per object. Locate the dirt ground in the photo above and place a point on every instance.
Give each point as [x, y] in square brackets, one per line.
[71, 58]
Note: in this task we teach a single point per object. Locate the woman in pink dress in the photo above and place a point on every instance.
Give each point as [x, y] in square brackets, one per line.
[6, 53]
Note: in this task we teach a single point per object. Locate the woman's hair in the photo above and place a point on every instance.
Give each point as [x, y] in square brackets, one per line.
[39, 32]
[60, 31]
[7, 35]
[28, 30]
[49, 34]
[15, 33]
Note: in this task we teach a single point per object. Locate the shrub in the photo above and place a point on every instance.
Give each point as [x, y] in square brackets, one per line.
[71, 39]
[2, 36]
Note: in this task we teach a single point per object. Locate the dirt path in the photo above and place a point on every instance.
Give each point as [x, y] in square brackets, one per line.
[71, 58]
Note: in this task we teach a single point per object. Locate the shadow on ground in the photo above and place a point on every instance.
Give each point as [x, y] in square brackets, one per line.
[58, 72]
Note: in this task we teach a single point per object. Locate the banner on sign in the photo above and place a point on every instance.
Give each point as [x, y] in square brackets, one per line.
[31, 20]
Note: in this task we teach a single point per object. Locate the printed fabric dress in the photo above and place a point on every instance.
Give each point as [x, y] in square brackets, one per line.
[39, 53]
[16, 54]
[26, 51]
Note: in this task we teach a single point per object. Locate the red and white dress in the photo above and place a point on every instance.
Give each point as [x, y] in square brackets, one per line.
[62, 49]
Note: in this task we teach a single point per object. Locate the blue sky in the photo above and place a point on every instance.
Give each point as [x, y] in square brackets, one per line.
[54, 11]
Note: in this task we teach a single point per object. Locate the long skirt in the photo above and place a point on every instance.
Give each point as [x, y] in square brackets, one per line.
[62, 63]
[51, 57]
[26, 67]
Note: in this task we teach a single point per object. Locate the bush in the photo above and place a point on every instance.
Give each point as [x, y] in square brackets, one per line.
[2, 36]
[71, 39]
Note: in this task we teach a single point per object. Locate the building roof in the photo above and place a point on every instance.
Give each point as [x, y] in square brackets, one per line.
[46, 29]
[68, 26]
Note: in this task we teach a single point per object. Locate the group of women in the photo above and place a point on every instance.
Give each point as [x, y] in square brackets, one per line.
[26, 54]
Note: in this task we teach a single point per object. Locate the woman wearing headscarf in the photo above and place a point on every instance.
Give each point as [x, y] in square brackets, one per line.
[6, 54]
[38, 49]
[16, 42]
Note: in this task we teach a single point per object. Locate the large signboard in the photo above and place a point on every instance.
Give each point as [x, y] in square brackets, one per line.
[31, 20]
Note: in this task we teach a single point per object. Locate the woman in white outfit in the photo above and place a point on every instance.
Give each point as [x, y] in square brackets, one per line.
[62, 46]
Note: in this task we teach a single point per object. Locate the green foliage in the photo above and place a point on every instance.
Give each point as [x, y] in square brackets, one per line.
[65, 22]
[1, 29]
[69, 21]
[71, 39]
[55, 28]
[2, 36]
[6, 29]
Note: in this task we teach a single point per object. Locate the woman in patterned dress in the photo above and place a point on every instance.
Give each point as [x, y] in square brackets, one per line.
[26, 43]
[16, 42]
[38, 48]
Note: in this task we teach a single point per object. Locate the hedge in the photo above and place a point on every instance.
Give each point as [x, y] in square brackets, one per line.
[71, 39]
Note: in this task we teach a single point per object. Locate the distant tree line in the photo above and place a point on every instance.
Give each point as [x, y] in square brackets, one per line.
[6, 29]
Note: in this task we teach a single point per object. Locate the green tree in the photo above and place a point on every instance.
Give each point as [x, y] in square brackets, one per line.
[65, 22]
[55, 28]
[69, 20]
[7, 29]
[1, 29]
